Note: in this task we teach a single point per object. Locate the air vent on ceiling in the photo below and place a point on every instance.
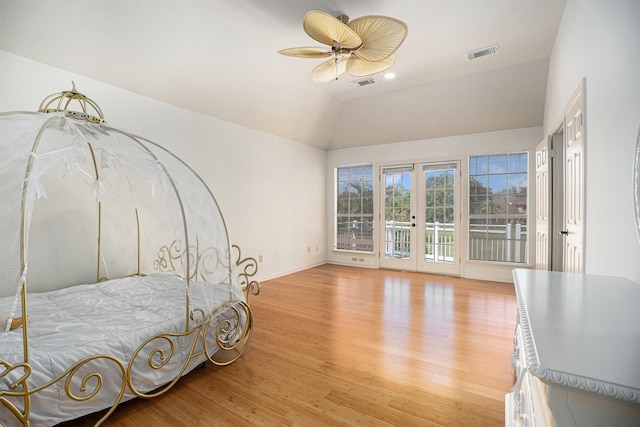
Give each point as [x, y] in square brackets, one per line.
[364, 82]
[485, 51]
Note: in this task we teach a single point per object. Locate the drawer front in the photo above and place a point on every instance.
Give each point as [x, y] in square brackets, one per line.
[517, 355]
[518, 404]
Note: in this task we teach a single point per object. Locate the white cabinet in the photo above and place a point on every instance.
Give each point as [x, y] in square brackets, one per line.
[576, 351]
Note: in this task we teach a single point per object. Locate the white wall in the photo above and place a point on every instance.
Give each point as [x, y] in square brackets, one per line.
[600, 41]
[271, 190]
[446, 149]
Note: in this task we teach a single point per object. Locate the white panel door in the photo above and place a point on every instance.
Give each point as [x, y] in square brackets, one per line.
[574, 139]
[543, 193]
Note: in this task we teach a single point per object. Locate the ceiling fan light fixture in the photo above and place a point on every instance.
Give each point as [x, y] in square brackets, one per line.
[328, 71]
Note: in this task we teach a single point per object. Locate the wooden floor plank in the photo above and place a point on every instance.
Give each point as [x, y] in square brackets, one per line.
[336, 345]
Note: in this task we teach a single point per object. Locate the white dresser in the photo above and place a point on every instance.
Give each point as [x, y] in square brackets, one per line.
[576, 351]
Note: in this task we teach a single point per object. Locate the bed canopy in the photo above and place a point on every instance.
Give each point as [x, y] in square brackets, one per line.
[66, 175]
[94, 214]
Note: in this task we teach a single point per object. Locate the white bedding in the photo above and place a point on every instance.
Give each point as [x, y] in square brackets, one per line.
[113, 317]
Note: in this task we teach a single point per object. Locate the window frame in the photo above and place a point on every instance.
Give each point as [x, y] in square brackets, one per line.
[516, 248]
[365, 230]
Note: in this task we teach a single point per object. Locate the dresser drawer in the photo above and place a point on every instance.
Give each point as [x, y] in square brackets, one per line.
[518, 404]
[517, 355]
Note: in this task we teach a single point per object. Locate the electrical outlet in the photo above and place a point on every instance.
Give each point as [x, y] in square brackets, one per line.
[354, 259]
[361, 259]
[259, 258]
[308, 249]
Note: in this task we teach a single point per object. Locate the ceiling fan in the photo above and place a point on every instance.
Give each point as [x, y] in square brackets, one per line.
[361, 47]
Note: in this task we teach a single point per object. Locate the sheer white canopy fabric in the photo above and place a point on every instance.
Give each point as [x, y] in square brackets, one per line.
[84, 202]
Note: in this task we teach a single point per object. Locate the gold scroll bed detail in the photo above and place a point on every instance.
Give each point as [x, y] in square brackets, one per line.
[229, 325]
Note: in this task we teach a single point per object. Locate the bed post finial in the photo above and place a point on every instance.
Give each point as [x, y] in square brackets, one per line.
[63, 100]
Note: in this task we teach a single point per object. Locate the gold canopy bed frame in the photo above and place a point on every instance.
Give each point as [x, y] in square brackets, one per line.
[163, 261]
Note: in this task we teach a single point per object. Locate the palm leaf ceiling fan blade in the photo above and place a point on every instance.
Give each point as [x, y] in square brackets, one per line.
[328, 70]
[326, 29]
[381, 36]
[362, 47]
[306, 52]
[361, 68]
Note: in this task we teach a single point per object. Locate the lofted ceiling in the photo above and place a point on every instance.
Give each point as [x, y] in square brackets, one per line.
[219, 58]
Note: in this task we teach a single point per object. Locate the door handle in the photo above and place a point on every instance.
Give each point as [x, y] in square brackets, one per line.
[564, 232]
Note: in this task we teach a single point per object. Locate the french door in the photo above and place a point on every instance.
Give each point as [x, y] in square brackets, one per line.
[420, 217]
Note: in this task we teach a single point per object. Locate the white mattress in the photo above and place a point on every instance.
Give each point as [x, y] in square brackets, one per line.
[113, 317]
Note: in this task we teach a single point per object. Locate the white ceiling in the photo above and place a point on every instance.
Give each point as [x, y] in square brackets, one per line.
[219, 57]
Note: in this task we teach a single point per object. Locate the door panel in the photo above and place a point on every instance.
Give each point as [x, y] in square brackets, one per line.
[543, 193]
[439, 207]
[556, 211]
[399, 215]
[574, 186]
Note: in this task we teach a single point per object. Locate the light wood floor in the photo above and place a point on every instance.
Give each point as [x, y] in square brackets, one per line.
[337, 345]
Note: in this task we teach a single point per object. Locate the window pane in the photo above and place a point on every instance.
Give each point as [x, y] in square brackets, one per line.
[343, 174]
[430, 215]
[342, 187]
[497, 183]
[518, 162]
[440, 215]
[440, 197]
[355, 205]
[518, 183]
[498, 207]
[430, 199]
[448, 215]
[449, 198]
[354, 208]
[481, 165]
[450, 178]
[475, 206]
[478, 184]
[498, 163]
[367, 173]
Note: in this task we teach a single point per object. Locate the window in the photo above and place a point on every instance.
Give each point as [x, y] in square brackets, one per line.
[354, 208]
[498, 207]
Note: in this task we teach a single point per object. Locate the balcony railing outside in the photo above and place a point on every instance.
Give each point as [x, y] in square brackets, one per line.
[439, 241]
[504, 243]
[501, 243]
[355, 236]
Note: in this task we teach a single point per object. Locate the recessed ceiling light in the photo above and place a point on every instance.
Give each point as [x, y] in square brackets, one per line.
[389, 76]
